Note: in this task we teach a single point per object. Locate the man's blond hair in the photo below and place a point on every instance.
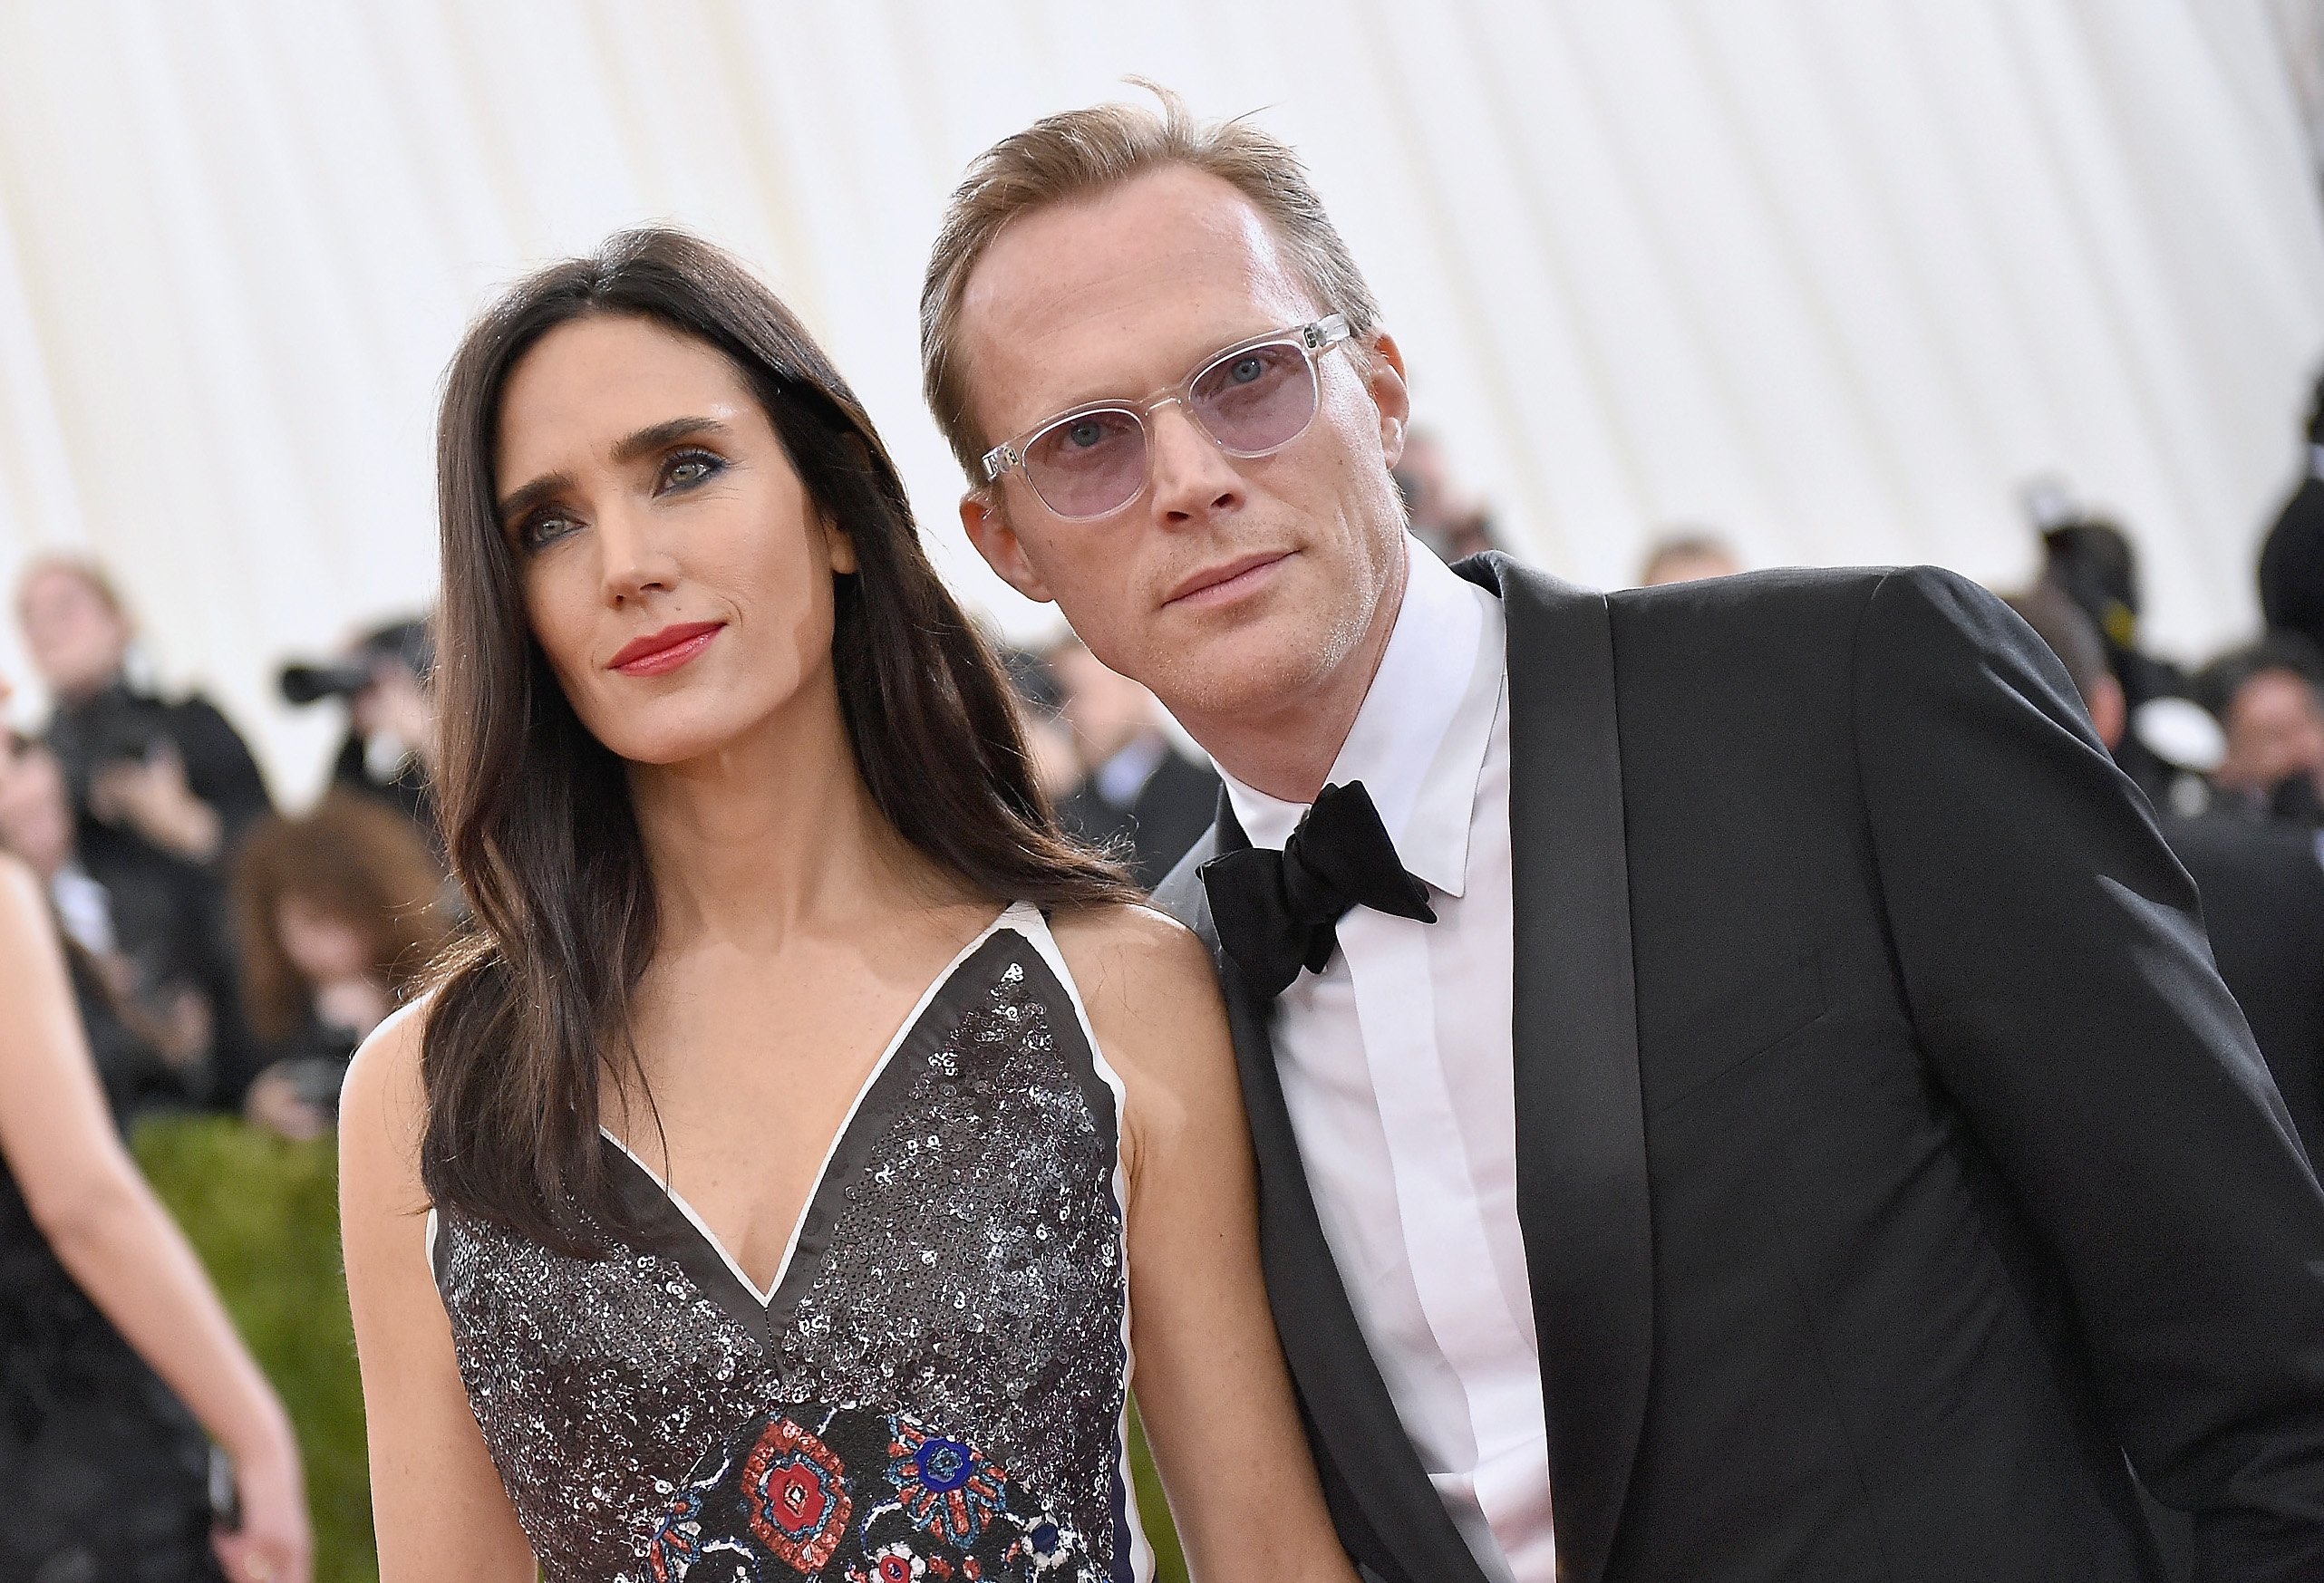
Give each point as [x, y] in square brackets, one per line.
[1082, 153]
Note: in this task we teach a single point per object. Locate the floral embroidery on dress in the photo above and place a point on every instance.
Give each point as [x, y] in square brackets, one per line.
[677, 1538]
[893, 1563]
[797, 1493]
[1045, 1546]
[851, 1495]
[950, 1492]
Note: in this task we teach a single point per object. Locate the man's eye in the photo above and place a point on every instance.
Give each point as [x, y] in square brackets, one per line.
[1247, 369]
[1086, 433]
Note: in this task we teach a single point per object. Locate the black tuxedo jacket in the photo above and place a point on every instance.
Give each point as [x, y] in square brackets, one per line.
[1891, 1160]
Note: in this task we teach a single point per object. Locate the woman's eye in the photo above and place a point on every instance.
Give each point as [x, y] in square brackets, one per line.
[1247, 369]
[537, 533]
[688, 468]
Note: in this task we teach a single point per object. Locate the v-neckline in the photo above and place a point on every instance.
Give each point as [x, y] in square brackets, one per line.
[763, 1303]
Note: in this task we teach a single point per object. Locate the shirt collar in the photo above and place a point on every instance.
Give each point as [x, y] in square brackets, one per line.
[1419, 739]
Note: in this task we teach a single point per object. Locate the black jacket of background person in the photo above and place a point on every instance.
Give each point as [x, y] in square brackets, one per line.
[2263, 892]
[2292, 564]
[1889, 1159]
[120, 722]
[1168, 815]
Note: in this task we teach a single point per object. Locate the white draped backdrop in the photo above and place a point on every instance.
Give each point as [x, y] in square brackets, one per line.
[1834, 277]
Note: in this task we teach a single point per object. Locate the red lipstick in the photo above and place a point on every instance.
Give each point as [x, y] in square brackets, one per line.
[659, 654]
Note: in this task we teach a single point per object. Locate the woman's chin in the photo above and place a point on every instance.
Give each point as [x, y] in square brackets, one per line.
[676, 744]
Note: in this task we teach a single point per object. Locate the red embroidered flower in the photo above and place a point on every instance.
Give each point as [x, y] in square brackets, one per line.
[796, 1495]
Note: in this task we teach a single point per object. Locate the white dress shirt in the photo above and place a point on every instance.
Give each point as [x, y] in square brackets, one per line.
[1396, 1065]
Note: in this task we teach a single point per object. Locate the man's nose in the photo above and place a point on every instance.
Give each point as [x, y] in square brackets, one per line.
[1192, 477]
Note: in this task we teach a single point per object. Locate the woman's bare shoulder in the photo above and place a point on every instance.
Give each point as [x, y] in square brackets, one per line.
[1133, 953]
[383, 1097]
[1152, 997]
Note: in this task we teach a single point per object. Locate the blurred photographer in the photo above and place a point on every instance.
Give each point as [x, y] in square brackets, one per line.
[338, 914]
[136, 979]
[2091, 563]
[2269, 697]
[391, 745]
[173, 779]
[1446, 518]
[2291, 561]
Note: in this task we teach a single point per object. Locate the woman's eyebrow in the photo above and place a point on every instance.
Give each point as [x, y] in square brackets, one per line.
[648, 440]
[642, 443]
[516, 502]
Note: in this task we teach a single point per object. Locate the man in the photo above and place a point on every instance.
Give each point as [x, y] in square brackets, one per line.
[2270, 701]
[2291, 560]
[1809, 1142]
[390, 748]
[1135, 792]
[1688, 555]
[171, 780]
[2091, 561]
[1440, 514]
[150, 976]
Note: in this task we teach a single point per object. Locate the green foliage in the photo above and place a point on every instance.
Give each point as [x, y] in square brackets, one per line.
[263, 1216]
[1169, 1560]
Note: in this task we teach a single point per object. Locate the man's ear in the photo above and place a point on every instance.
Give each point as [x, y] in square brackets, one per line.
[1384, 379]
[986, 522]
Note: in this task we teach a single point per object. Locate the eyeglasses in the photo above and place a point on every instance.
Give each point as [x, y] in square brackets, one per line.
[1251, 399]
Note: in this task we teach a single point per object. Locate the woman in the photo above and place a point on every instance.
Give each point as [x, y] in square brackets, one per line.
[107, 1324]
[337, 914]
[798, 1110]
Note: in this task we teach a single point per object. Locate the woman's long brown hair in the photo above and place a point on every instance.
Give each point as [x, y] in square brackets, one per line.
[531, 1013]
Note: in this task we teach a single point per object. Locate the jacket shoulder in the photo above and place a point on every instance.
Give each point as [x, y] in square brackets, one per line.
[1787, 595]
[1181, 893]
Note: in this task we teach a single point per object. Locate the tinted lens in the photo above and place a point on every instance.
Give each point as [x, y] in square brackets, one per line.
[1089, 463]
[1258, 399]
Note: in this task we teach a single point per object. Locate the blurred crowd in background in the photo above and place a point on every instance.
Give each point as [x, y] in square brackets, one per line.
[231, 954]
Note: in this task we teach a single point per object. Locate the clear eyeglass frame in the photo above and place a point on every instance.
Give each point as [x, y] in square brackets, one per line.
[1311, 340]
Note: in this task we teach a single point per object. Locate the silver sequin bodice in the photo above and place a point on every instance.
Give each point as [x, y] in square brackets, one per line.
[938, 1379]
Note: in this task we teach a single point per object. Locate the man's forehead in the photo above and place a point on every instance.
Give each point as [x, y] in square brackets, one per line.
[1155, 270]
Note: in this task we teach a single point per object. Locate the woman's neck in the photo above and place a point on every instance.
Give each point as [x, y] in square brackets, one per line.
[774, 831]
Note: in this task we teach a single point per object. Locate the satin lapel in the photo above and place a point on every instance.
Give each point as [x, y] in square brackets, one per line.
[1354, 1419]
[1581, 1179]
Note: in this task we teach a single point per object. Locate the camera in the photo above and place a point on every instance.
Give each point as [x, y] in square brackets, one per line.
[304, 685]
[405, 642]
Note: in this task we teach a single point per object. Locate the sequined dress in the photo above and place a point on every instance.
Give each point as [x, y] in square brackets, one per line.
[934, 1390]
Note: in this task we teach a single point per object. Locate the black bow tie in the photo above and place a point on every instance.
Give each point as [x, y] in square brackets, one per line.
[1277, 912]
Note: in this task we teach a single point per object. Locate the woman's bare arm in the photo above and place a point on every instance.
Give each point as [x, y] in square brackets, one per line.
[1211, 1382]
[437, 1503]
[113, 1237]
